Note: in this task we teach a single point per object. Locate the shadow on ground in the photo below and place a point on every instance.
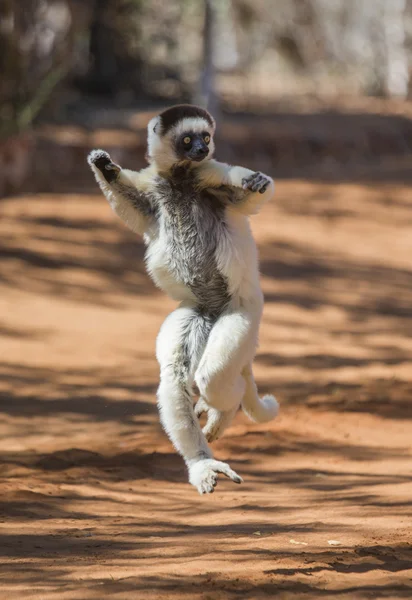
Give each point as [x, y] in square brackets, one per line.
[90, 483]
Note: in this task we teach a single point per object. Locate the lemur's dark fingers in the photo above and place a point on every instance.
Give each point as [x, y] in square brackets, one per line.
[248, 181]
[99, 158]
[102, 161]
[257, 182]
[260, 184]
[264, 187]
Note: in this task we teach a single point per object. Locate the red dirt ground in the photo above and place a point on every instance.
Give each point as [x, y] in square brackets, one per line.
[95, 503]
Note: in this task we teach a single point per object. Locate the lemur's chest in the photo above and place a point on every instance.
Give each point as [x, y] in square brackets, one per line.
[191, 228]
[191, 220]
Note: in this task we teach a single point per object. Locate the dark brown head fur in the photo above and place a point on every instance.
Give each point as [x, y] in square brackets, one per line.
[173, 115]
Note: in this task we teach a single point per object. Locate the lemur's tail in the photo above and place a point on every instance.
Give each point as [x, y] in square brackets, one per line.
[258, 409]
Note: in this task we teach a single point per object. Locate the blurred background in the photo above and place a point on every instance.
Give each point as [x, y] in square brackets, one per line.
[297, 86]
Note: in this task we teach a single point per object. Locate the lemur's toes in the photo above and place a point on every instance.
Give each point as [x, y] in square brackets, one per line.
[201, 407]
[203, 474]
[226, 470]
[211, 436]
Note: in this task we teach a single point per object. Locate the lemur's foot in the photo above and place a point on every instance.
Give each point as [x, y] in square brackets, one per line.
[217, 420]
[102, 160]
[203, 474]
[257, 182]
[201, 407]
[209, 429]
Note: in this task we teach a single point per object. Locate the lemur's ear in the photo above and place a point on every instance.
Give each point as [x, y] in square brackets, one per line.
[155, 126]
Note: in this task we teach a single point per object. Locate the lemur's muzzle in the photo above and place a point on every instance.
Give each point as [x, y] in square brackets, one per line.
[199, 150]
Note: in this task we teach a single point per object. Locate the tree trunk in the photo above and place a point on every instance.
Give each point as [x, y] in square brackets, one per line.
[206, 95]
[397, 71]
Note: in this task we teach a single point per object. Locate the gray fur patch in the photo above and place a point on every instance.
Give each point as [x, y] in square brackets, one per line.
[195, 335]
[192, 223]
[228, 194]
[144, 203]
[193, 338]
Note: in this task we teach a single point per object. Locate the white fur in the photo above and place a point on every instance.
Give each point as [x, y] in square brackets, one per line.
[156, 261]
[160, 150]
[195, 124]
[256, 200]
[237, 258]
[133, 219]
[258, 410]
[215, 173]
[217, 420]
[203, 474]
[223, 369]
[189, 441]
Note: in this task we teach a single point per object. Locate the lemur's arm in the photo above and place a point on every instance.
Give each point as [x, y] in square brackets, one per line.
[246, 190]
[126, 191]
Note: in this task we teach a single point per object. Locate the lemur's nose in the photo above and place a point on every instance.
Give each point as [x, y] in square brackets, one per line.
[202, 151]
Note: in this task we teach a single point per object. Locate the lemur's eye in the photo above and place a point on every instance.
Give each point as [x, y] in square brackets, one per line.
[187, 139]
[207, 138]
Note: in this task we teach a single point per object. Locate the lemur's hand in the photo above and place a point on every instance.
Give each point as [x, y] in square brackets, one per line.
[102, 160]
[257, 182]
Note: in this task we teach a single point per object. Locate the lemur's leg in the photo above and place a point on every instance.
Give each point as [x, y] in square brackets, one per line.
[180, 343]
[225, 377]
[130, 203]
[231, 345]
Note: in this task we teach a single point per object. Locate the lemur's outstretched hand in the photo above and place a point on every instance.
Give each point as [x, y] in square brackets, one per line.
[102, 160]
[257, 182]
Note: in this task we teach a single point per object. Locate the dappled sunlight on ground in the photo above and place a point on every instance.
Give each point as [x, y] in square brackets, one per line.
[95, 502]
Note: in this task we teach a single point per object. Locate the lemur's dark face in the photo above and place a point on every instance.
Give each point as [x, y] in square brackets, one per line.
[180, 133]
[192, 145]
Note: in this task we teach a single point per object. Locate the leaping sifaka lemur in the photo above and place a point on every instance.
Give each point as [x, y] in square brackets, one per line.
[193, 214]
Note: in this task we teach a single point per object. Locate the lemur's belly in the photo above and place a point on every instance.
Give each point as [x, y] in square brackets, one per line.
[192, 276]
[164, 278]
[227, 277]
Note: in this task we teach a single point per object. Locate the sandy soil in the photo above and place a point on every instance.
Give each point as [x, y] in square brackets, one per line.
[95, 502]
